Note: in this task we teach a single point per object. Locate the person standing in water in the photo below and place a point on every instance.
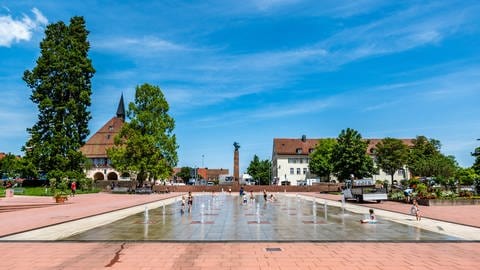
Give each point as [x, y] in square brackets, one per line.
[190, 201]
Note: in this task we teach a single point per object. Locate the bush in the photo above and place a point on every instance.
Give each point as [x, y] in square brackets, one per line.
[447, 194]
[397, 196]
[421, 190]
[85, 184]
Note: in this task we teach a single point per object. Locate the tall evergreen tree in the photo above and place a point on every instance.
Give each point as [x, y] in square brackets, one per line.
[61, 88]
[476, 165]
[321, 162]
[350, 156]
[391, 155]
[146, 146]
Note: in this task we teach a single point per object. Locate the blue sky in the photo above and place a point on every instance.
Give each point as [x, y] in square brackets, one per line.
[250, 71]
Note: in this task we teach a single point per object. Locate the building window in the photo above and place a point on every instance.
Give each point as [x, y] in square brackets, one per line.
[307, 160]
[110, 128]
[298, 170]
[304, 170]
[310, 150]
[299, 150]
[301, 160]
[291, 171]
[290, 160]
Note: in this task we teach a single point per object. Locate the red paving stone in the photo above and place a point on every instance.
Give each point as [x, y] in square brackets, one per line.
[151, 255]
[76, 207]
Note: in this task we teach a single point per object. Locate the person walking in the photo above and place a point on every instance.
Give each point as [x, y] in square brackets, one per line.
[73, 187]
[418, 214]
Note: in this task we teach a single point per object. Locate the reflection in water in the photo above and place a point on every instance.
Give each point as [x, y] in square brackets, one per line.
[224, 218]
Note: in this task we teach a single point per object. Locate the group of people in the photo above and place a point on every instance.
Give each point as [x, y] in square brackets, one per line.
[187, 203]
[245, 198]
[414, 211]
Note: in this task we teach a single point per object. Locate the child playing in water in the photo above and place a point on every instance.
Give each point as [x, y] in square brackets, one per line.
[417, 211]
[182, 210]
[371, 219]
[252, 197]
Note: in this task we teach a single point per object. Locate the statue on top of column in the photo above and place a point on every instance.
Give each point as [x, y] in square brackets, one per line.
[236, 145]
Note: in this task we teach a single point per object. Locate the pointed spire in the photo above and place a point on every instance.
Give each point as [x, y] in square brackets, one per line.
[121, 109]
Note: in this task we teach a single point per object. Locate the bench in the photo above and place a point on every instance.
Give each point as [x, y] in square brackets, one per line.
[143, 191]
[18, 190]
[120, 190]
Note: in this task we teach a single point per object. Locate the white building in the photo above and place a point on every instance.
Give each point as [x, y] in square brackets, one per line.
[290, 161]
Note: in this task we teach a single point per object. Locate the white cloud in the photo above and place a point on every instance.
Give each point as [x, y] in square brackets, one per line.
[143, 46]
[14, 31]
[39, 17]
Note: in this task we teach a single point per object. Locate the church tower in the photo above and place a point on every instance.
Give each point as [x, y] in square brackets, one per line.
[121, 109]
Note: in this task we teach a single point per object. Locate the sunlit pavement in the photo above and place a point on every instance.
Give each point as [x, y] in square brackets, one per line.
[161, 255]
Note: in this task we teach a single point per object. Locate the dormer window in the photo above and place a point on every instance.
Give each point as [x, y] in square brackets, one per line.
[110, 128]
[310, 150]
[299, 150]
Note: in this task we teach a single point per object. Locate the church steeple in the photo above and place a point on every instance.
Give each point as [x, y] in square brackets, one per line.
[121, 109]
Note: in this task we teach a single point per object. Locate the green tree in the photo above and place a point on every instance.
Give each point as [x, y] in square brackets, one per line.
[260, 170]
[421, 150]
[185, 173]
[321, 162]
[61, 88]
[391, 155]
[466, 176]
[9, 166]
[350, 156]
[146, 146]
[442, 168]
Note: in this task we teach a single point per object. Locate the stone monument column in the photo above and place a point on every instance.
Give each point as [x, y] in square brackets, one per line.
[236, 170]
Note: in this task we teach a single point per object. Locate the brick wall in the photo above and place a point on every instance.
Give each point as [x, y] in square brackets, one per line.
[321, 187]
[327, 187]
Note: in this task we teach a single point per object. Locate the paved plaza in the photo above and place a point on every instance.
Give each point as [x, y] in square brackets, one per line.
[37, 212]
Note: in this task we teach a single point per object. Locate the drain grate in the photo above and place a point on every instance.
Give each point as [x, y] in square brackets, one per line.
[273, 249]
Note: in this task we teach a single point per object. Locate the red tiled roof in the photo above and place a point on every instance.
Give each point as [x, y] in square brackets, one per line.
[97, 145]
[290, 146]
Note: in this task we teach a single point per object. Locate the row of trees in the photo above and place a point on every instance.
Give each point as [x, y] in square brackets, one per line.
[347, 155]
[61, 88]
